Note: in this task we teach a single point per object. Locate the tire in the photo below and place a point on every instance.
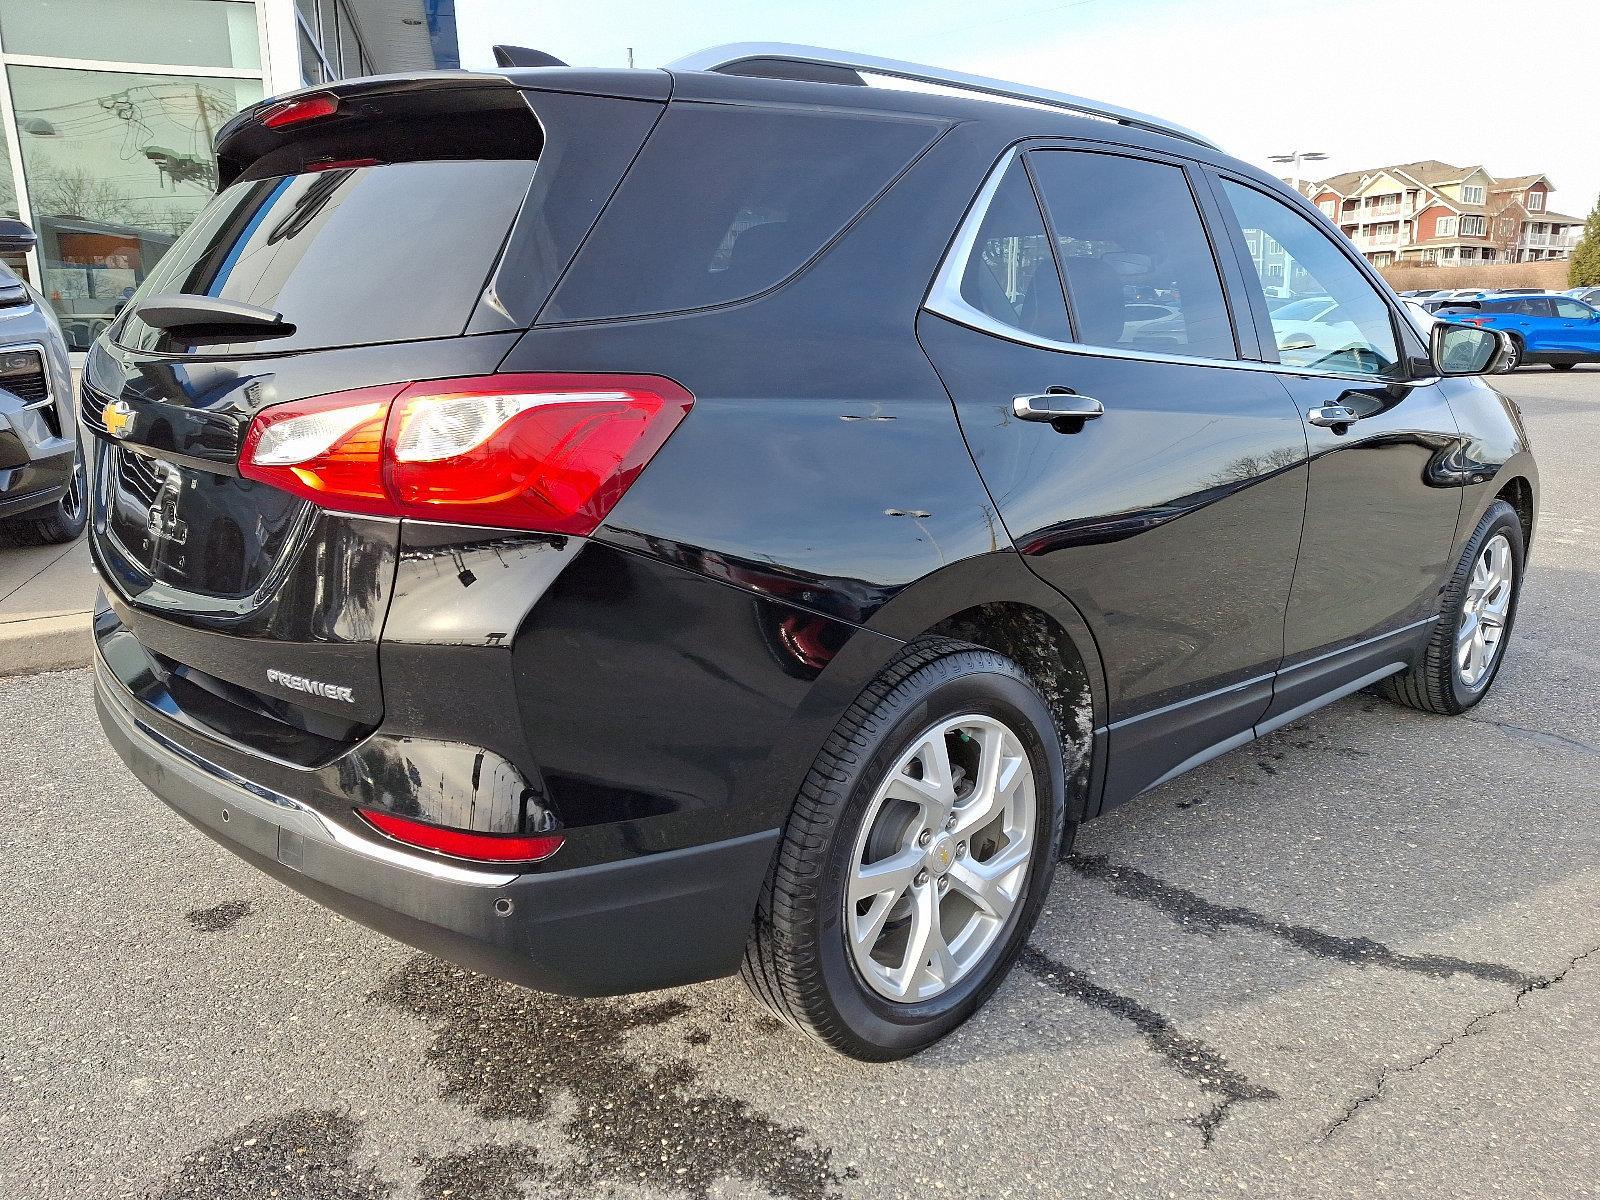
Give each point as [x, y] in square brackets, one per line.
[1562, 366]
[799, 961]
[1514, 355]
[1436, 683]
[61, 521]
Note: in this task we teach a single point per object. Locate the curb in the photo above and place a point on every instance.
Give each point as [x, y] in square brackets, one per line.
[55, 642]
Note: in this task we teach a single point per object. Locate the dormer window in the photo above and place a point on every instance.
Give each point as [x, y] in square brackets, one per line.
[1471, 194]
[1535, 201]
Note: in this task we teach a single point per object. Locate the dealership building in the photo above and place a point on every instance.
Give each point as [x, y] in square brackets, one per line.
[108, 109]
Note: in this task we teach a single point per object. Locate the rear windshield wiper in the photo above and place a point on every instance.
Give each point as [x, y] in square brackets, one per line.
[178, 312]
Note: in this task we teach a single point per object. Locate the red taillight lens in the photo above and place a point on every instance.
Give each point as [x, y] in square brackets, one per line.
[551, 453]
[530, 452]
[305, 108]
[328, 449]
[463, 843]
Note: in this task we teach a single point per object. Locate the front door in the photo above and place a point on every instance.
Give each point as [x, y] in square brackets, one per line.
[1139, 467]
[1577, 328]
[1381, 502]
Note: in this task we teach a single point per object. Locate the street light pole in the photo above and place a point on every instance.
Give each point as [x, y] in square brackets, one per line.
[1297, 157]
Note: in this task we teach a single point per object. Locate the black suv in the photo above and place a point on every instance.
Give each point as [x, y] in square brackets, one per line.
[617, 528]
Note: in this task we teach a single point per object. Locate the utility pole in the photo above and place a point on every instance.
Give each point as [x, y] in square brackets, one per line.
[630, 58]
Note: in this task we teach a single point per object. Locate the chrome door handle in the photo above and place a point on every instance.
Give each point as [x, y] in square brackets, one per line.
[1057, 406]
[1331, 416]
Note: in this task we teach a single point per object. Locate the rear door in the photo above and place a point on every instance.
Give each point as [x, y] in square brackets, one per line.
[1170, 513]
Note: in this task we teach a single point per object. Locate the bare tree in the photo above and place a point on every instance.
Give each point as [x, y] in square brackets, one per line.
[62, 191]
[1505, 230]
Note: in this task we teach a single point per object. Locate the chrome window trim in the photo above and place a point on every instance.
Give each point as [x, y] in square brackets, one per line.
[944, 299]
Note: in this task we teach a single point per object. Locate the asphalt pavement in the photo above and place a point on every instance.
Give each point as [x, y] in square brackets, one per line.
[1358, 958]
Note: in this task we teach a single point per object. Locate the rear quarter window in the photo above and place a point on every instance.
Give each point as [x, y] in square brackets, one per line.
[727, 201]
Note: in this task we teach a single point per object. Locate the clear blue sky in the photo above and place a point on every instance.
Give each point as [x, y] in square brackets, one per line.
[1515, 88]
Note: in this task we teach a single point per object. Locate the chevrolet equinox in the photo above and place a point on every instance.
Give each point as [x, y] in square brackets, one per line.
[613, 529]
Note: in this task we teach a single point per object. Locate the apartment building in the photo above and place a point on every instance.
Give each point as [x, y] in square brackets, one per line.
[1435, 213]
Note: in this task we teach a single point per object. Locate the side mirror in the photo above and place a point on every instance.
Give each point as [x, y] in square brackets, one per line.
[1296, 341]
[1464, 349]
[16, 237]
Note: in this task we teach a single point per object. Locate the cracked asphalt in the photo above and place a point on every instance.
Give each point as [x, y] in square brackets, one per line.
[1361, 956]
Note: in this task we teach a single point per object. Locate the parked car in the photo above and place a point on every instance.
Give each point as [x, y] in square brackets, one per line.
[1424, 321]
[613, 597]
[1554, 329]
[41, 470]
[1453, 296]
[1589, 295]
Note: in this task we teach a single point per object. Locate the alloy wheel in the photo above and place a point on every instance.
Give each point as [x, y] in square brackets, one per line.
[1484, 612]
[941, 859]
[72, 499]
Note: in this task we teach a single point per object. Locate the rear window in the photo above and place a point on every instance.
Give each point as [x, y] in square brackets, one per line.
[727, 201]
[349, 256]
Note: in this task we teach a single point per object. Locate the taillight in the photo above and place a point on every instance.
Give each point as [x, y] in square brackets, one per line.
[463, 843]
[305, 108]
[551, 453]
[328, 449]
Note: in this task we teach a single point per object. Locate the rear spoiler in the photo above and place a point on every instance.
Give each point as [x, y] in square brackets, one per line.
[433, 114]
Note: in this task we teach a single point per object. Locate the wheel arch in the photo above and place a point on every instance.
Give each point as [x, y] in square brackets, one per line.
[994, 601]
[1518, 492]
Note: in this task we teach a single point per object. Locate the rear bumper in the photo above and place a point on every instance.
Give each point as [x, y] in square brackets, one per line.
[654, 921]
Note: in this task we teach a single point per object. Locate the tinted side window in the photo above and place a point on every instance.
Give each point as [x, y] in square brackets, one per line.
[1292, 256]
[1129, 234]
[1010, 275]
[1572, 310]
[726, 201]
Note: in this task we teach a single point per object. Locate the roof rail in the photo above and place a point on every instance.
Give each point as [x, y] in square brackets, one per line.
[726, 59]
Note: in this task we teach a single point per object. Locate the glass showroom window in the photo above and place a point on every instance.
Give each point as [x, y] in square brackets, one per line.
[117, 165]
[8, 201]
[179, 33]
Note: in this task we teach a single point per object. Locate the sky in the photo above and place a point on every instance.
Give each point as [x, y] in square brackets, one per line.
[1511, 87]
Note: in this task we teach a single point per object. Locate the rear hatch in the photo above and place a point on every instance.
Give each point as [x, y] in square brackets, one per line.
[369, 234]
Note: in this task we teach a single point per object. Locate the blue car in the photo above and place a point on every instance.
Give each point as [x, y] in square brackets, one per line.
[1550, 328]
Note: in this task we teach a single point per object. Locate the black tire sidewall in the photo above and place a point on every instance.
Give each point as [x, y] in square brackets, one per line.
[892, 1029]
[1501, 518]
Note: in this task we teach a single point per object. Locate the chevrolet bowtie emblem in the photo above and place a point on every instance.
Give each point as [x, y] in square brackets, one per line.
[117, 417]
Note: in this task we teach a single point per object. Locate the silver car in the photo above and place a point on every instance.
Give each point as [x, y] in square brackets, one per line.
[41, 469]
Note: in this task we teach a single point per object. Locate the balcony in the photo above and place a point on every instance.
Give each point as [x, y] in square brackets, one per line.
[1391, 210]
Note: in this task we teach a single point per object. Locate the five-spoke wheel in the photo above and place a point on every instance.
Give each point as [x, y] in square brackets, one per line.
[917, 856]
[1484, 612]
[941, 858]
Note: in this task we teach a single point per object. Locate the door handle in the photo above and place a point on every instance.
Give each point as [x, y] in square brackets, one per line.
[1057, 406]
[1332, 416]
